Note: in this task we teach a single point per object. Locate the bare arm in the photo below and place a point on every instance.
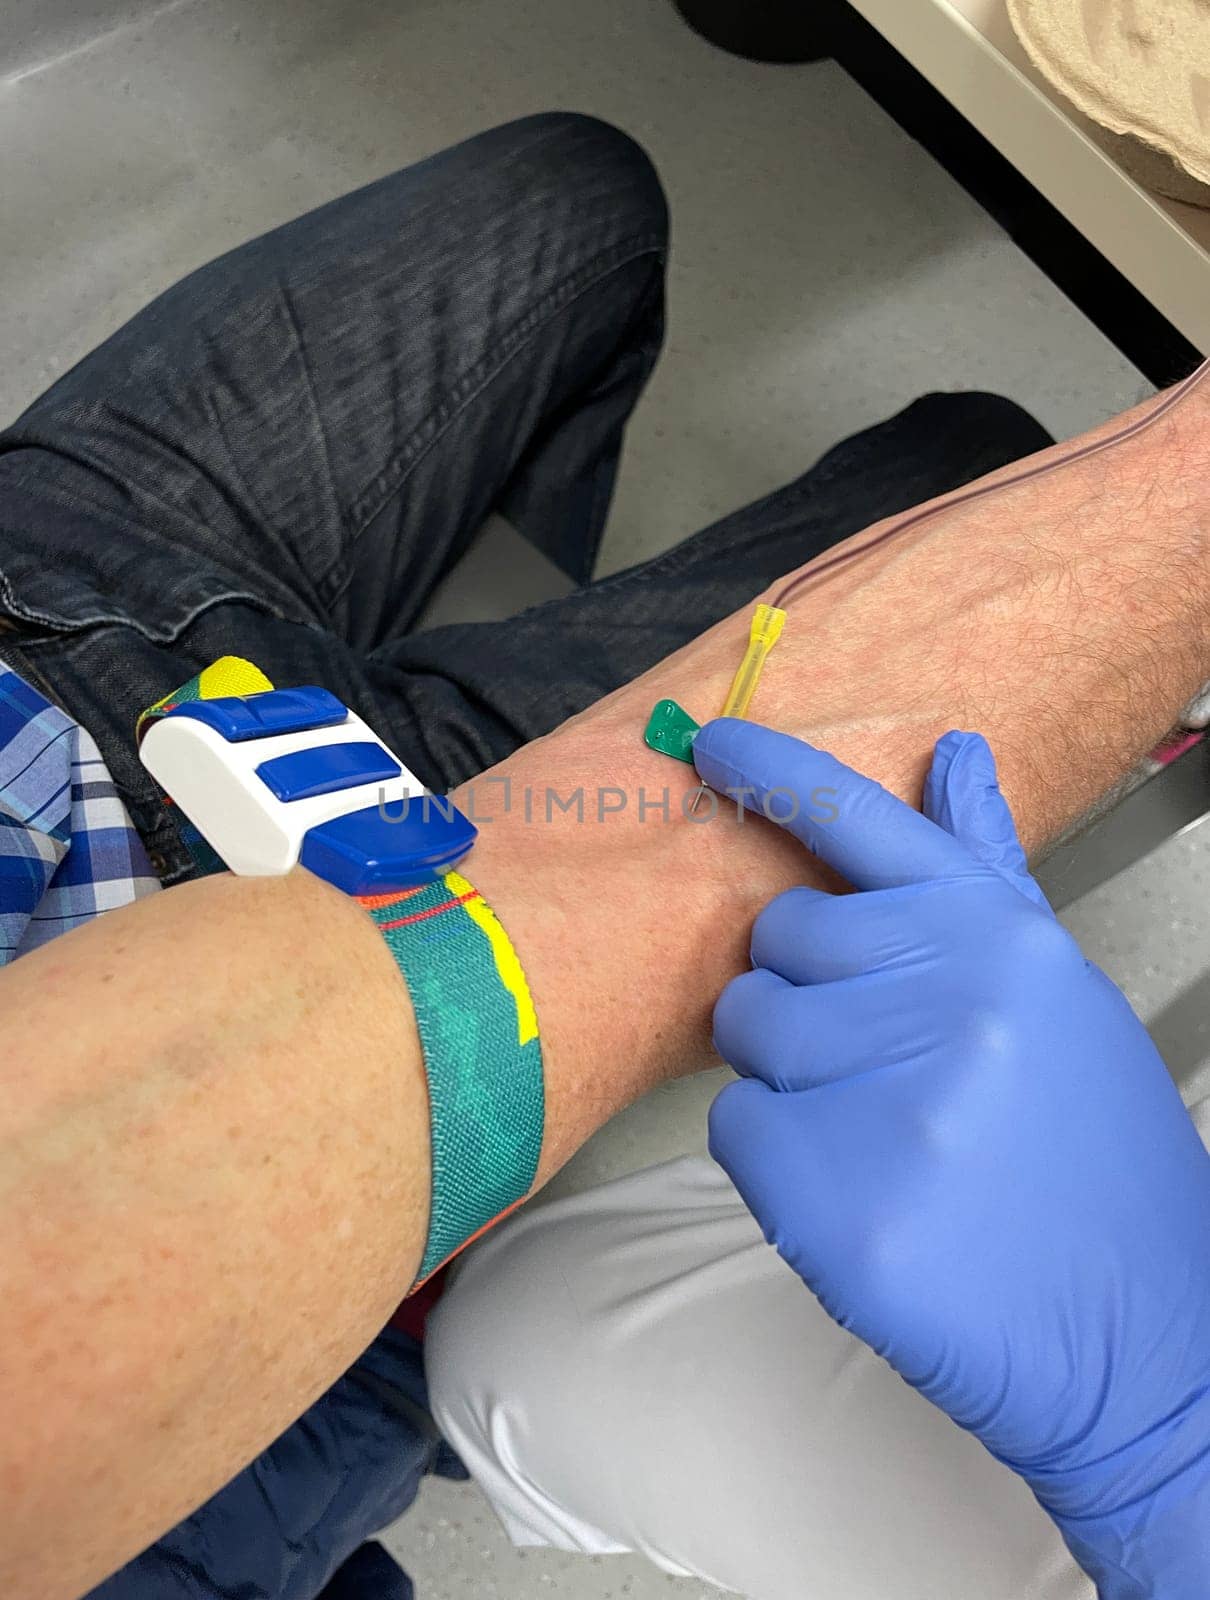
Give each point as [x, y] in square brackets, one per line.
[1068, 620]
[213, 1195]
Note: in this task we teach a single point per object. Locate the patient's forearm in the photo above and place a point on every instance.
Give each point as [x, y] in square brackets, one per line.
[213, 1194]
[1067, 619]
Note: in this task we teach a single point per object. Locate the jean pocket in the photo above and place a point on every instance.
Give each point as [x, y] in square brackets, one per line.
[66, 566]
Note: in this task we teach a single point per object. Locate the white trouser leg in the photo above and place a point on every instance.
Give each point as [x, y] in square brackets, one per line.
[634, 1369]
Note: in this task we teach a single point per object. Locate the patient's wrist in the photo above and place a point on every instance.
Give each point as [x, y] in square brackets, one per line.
[591, 866]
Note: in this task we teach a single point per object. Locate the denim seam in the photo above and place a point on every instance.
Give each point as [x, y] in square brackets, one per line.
[305, 362]
[482, 374]
[27, 613]
[105, 619]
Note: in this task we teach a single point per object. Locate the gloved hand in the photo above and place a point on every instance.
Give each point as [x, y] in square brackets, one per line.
[957, 1132]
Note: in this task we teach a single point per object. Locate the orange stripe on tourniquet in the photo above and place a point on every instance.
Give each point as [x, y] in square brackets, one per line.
[374, 902]
[433, 911]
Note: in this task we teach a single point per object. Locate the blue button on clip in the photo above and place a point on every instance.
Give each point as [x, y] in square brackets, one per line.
[382, 848]
[258, 716]
[325, 768]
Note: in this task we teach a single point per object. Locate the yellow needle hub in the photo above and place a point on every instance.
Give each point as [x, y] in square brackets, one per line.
[767, 623]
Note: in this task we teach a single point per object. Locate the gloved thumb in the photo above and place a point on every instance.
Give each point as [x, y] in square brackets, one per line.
[962, 795]
[757, 1142]
[768, 1149]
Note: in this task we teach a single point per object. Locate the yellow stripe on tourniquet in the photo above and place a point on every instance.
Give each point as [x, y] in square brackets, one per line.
[507, 965]
[231, 675]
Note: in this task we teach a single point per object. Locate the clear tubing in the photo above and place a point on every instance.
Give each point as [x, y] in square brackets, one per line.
[914, 519]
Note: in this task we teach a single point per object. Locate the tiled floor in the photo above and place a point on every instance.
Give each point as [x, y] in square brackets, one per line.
[825, 271]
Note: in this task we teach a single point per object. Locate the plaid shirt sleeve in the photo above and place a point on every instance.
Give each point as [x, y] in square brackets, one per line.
[68, 850]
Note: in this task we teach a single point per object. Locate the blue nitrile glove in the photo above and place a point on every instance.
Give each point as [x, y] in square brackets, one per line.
[957, 1132]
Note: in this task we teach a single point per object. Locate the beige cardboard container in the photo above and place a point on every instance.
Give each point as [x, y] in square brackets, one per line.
[1140, 70]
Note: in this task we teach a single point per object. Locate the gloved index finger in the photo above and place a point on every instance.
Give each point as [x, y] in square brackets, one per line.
[847, 820]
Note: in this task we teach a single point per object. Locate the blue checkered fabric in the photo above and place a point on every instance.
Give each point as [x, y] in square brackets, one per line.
[68, 850]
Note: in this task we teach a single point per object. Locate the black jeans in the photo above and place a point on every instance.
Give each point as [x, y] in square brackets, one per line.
[282, 455]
